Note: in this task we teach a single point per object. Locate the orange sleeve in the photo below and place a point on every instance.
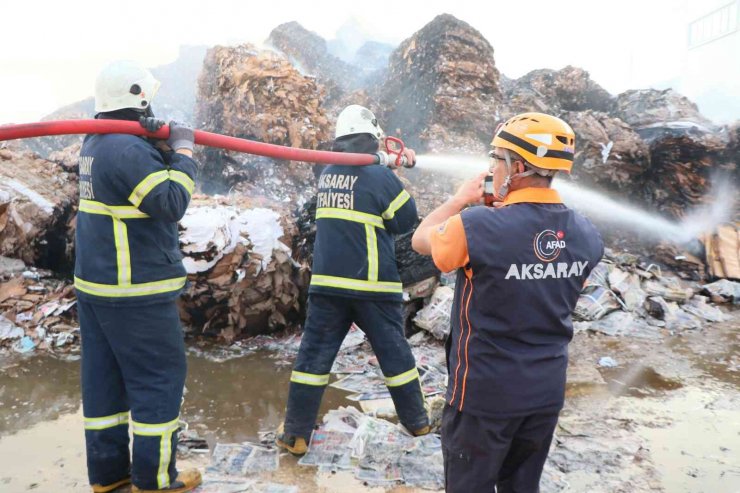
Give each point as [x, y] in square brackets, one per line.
[449, 245]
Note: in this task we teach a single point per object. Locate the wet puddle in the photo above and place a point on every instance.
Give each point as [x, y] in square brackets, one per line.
[699, 451]
[35, 389]
[226, 401]
[638, 381]
[675, 408]
[234, 399]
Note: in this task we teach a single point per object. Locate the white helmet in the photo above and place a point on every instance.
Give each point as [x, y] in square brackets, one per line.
[356, 119]
[124, 84]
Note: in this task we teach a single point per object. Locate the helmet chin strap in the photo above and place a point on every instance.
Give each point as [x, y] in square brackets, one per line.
[504, 190]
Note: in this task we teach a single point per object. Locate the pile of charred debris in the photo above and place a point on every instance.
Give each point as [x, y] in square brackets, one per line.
[248, 234]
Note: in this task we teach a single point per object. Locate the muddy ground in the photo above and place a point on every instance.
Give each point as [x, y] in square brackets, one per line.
[666, 419]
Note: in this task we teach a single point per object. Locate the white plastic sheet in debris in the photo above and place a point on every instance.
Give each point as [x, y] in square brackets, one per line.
[435, 316]
[210, 232]
[9, 331]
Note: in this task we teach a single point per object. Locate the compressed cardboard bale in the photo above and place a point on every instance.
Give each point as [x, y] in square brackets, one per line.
[608, 152]
[243, 279]
[258, 95]
[37, 200]
[308, 51]
[441, 92]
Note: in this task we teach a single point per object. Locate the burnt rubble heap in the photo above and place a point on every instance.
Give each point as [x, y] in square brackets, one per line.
[37, 203]
[259, 95]
[248, 250]
[569, 89]
[652, 145]
[685, 148]
[309, 53]
[441, 91]
[608, 151]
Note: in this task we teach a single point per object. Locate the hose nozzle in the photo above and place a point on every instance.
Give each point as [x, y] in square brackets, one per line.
[393, 161]
[394, 156]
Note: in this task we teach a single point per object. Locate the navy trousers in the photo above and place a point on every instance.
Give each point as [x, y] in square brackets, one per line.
[327, 323]
[133, 361]
[487, 455]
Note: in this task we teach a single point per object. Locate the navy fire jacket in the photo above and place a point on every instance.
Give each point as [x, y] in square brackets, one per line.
[359, 209]
[127, 246]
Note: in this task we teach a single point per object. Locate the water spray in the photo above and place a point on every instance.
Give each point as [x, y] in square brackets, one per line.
[604, 208]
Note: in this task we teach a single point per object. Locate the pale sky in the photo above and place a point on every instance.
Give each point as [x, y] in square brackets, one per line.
[51, 51]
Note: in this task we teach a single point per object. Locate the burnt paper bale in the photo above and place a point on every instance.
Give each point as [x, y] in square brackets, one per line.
[243, 279]
[412, 267]
[686, 150]
[258, 95]
[723, 291]
[682, 171]
[520, 98]
[308, 52]
[568, 89]
[644, 108]
[440, 80]
[37, 200]
[608, 152]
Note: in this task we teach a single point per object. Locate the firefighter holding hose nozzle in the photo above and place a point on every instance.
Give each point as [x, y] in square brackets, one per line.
[128, 274]
[355, 279]
[520, 269]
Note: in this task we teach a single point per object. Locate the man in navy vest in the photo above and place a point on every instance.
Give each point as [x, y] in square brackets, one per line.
[355, 279]
[128, 275]
[520, 268]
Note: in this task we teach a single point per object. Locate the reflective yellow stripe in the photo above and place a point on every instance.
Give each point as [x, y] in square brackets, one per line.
[165, 455]
[145, 186]
[105, 422]
[123, 254]
[124, 291]
[356, 284]
[372, 253]
[349, 215]
[164, 431]
[120, 232]
[183, 179]
[397, 203]
[403, 378]
[309, 378]
[155, 430]
[119, 211]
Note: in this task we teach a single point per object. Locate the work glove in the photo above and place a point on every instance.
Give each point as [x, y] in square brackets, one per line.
[150, 123]
[182, 136]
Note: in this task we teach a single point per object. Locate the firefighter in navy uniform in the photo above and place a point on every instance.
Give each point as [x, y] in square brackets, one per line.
[128, 274]
[355, 279]
[520, 269]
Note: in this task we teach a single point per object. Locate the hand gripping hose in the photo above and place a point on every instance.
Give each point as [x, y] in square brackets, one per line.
[71, 127]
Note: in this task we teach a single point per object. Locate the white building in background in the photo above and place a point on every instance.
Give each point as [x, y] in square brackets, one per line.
[711, 73]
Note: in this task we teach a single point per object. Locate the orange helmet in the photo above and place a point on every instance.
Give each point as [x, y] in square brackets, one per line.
[545, 141]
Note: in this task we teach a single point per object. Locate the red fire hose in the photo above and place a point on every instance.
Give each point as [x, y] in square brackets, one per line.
[71, 127]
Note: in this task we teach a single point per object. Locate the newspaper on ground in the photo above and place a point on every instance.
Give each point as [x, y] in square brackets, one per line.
[379, 453]
[242, 459]
[328, 449]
